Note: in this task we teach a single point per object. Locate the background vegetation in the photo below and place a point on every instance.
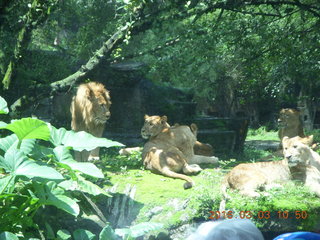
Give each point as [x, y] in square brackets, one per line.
[242, 54]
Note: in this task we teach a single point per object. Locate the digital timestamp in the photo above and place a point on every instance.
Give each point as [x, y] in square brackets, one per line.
[215, 215]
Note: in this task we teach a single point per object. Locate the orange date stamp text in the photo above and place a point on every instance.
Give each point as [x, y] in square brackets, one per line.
[215, 215]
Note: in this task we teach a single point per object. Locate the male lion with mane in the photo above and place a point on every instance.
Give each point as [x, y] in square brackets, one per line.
[90, 112]
[297, 165]
[169, 150]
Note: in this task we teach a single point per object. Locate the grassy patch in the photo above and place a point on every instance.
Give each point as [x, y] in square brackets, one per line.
[282, 205]
[156, 190]
[262, 134]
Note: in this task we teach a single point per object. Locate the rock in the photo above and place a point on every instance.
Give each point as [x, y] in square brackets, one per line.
[263, 145]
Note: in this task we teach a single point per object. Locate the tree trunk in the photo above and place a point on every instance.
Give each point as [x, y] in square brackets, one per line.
[307, 110]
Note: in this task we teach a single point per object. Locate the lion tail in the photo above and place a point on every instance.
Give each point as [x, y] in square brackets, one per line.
[189, 182]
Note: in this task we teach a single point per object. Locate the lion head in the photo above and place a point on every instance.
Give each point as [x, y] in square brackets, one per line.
[153, 125]
[91, 105]
[289, 118]
[296, 150]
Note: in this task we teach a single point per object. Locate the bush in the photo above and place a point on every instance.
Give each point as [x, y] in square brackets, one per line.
[37, 169]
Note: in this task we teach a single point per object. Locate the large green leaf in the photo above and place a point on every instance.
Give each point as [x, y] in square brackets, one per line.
[83, 185]
[8, 236]
[57, 135]
[16, 163]
[51, 194]
[64, 156]
[81, 234]
[41, 152]
[12, 160]
[108, 233]
[2, 124]
[79, 140]
[10, 143]
[29, 128]
[31, 169]
[6, 183]
[3, 106]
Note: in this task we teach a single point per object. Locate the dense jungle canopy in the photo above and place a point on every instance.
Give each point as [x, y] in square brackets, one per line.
[237, 53]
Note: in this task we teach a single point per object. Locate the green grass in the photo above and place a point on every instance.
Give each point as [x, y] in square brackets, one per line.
[262, 134]
[156, 190]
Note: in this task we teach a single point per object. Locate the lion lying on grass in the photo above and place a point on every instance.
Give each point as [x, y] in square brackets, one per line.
[90, 110]
[169, 150]
[299, 164]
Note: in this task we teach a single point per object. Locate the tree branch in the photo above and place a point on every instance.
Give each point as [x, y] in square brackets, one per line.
[140, 24]
[307, 7]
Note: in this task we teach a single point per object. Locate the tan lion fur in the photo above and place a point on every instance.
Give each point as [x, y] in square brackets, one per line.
[304, 163]
[248, 177]
[169, 150]
[90, 110]
[199, 148]
[290, 124]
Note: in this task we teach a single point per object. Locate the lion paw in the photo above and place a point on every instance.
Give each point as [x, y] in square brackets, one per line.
[192, 169]
[188, 185]
[195, 167]
[214, 159]
[250, 193]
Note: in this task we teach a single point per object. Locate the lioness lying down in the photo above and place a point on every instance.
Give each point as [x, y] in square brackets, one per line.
[248, 177]
[170, 149]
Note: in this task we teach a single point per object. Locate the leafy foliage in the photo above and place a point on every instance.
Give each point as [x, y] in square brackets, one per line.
[118, 162]
[33, 177]
[3, 106]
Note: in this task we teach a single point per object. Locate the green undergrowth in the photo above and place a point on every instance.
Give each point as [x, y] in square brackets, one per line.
[262, 134]
[154, 190]
[315, 133]
[281, 205]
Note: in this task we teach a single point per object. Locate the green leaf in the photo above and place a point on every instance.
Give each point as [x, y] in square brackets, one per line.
[41, 152]
[108, 233]
[79, 140]
[8, 236]
[51, 194]
[12, 160]
[6, 182]
[81, 234]
[29, 128]
[64, 156]
[31, 169]
[10, 143]
[63, 234]
[83, 185]
[2, 124]
[49, 231]
[57, 135]
[16, 163]
[3, 106]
